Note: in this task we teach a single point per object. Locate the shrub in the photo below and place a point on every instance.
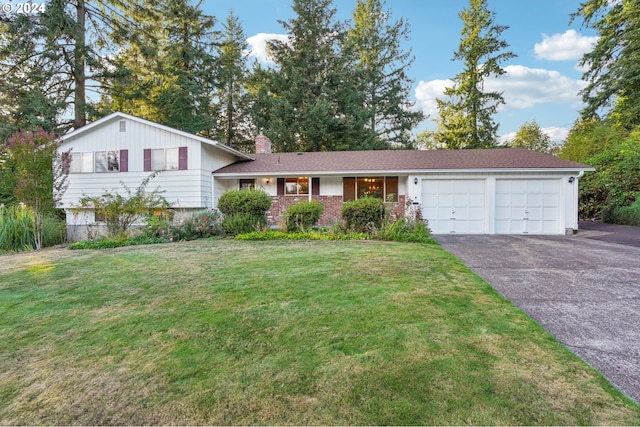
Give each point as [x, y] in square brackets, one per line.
[120, 212]
[406, 230]
[303, 215]
[254, 202]
[628, 215]
[364, 214]
[117, 242]
[243, 222]
[199, 225]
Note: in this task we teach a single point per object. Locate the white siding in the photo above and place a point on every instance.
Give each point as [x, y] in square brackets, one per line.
[189, 188]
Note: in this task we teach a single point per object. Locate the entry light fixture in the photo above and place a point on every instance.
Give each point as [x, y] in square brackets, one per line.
[267, 180]
[571, 179]
[415, 181]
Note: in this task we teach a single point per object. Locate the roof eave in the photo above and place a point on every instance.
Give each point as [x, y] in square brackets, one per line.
[395, 172]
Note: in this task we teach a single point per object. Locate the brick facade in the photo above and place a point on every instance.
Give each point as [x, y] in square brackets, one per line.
[332, 208]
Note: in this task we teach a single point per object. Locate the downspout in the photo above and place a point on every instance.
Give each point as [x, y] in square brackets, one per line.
[213, 191]
[575, 200]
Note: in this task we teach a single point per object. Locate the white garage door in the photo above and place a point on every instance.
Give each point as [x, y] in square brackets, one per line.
[454, 206]
[527, 206]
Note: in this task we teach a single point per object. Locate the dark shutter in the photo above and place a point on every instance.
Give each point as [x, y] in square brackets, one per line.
[348, 189]
[315, 186]
[147, 159]
[182, 158]
[124, 160]
[280, 186]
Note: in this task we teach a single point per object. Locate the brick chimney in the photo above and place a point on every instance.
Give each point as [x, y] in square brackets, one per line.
[263, 144]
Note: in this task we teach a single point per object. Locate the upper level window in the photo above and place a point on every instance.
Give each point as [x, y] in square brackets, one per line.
[294, 186]
[107, 161]
[164, 159]
[81, 163]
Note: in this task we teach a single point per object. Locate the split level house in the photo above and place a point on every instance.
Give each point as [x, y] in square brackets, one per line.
[495, 191]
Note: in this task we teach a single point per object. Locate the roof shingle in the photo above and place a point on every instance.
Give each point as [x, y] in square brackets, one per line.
[398, 160]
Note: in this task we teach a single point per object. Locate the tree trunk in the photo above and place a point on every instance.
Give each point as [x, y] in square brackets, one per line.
[78, 68]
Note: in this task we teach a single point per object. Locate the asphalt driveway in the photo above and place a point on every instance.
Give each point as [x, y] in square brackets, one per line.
[584, 289]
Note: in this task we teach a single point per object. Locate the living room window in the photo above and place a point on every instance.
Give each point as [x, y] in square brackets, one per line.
[297, 186]
[383, 187]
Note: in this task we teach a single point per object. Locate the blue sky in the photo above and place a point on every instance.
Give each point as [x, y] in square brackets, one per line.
[542, 83]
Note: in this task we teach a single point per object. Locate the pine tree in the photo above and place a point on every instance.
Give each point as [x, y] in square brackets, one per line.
[167, 72]
[310, 101]
[466, 119]
[382, 68]
[48, 58]
[234, 126]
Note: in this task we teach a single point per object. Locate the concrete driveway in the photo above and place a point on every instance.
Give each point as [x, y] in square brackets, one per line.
[581, 288]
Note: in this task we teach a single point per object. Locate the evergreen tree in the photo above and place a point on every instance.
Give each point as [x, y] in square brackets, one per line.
[311, 101]
[46, 60]
[234, 126]
[382, 72]
[167, 73]
[466, 120]
[613, 66]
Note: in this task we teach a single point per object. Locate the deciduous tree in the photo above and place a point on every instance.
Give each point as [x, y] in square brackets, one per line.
[532, 137]
[37, 173]
[613, 66]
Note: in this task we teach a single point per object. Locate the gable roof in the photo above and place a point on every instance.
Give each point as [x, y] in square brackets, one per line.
[399, 161]
[119, 116]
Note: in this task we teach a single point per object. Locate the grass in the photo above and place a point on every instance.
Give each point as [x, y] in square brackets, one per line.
[279, 332]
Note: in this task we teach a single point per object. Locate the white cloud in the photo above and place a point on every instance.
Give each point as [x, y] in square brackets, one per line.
[522, 88]
[426, 94]
[564, 47]
[258, 45]
[557, 134]
[525, 87]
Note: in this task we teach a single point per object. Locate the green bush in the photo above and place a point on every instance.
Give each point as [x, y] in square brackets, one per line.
[363, 215]
[117, 242]
[254, 202]
[302, 216]
[54, 231]
[243, 222]
[627, 215]
[405, 230]
[199, 225]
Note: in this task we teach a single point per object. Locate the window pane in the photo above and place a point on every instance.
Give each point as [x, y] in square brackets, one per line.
[157, 159]
[76, 163]
[113, 161]
[291, 186]
[87, 162]
[172, 159]
[370, 187]
[247, 184]
[101, 161]
[392, 189]
[303, 185]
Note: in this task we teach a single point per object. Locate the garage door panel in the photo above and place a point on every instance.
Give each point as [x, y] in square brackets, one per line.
[533, 206]
[454, 206]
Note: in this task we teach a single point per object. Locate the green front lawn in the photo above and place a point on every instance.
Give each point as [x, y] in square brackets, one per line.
[279, 332]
